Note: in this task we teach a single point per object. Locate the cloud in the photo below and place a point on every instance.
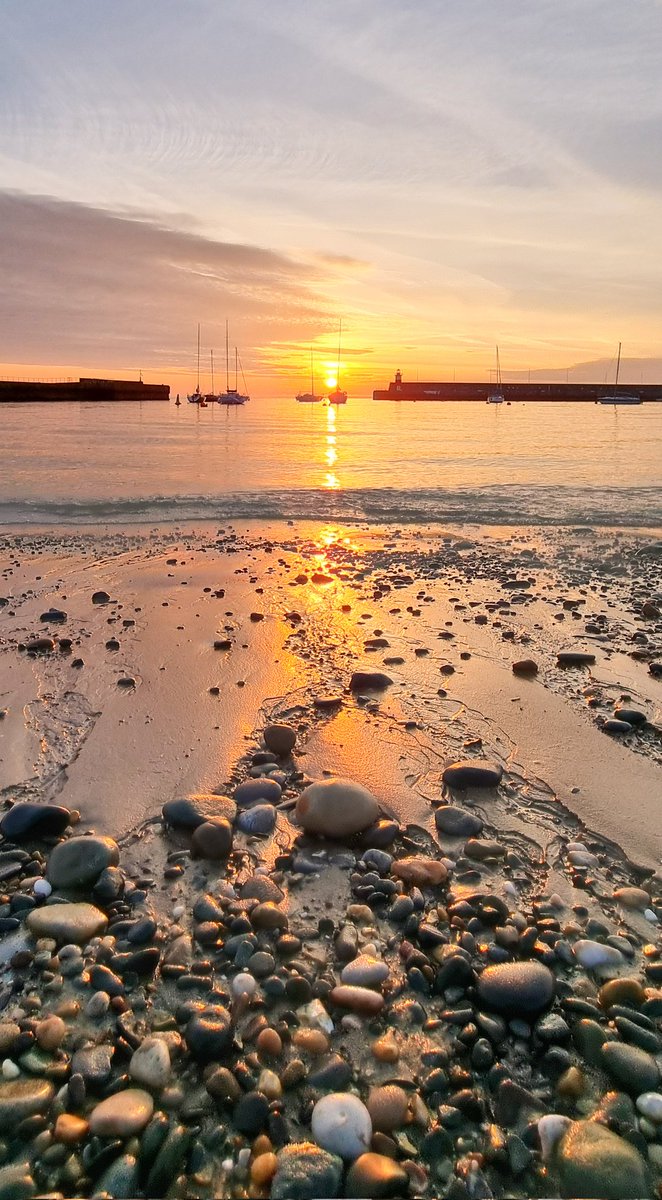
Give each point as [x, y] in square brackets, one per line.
[84, 284]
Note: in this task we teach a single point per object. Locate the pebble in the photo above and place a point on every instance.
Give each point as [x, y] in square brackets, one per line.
[632, 897]
[50, 1033]
[516, 989]
[66, 922]
[634, 1070]
[150, 1063]
[649, 1104]
[472, 773]
[425, 872]
[280, 738]
[29, 820]
[594, 1161]
[122, 1115]
[196, 808]
[388, 1107]
[376, 1175]
[341, 1124]
[258, 821]
[596, 956]
[369, 681]
[20, 1098]
[365, 971]
[209, 1034]
[336, 808]
[358, 999]
[213, 839]
[80, 860]
[305, 1171]
[457, 822]
[257, 791]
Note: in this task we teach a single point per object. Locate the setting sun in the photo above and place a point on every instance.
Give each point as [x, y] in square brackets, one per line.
[331, 381]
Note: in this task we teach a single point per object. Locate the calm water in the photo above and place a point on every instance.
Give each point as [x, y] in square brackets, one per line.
[378, 461]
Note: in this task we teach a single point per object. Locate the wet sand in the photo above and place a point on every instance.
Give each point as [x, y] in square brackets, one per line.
[208, 637]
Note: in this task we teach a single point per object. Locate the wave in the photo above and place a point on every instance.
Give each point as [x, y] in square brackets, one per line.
[495, 505]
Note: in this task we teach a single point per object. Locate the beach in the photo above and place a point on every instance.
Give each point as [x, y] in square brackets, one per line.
[291, 967]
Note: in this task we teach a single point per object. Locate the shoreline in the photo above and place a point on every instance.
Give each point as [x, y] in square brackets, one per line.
[297, 610]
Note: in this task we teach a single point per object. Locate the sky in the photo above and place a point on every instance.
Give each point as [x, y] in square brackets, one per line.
[442, 175]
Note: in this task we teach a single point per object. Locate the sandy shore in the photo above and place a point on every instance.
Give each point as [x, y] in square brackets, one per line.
[208, 637]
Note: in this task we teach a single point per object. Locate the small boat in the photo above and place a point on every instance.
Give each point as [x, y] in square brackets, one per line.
[177, 401]
[620, 397]
[497, 397]
[309, 397]
[338, 396]
[231, 397]
[197, 397]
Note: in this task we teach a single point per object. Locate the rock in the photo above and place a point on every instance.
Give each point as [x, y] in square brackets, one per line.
[80, 860]
[28, 820]
[424, 872]
[575, 658]
[258, 821]
[365, 971]
[122, 1115]
[333, 1075]
[251, 1114]
[649, 1104]
[94, 1063]
[388, 1107]
[650, 610]
[213, 839]
[632, 1069]
[341, 1124]
[16, 1182]
[482, 849]
[457, 822]
[150, 1063]
[597, 956]
[623, 990]
[336, 808]
[632, 897]
[20, 1098]
[120, 1180]
[526, 668]
[261, 887]
[473, 773]
[631, 715]
[50, 1033]
[306, 1172]
[66, 922]
[369, 681]
[209, 1034]
[195, 809]
[592, 1161]
[258, 791]
[280, 738]
[611, 725]
[268, 916]
[40, 645]
[516, 989]
[100, 598]
[358, 999]
[376, 1175]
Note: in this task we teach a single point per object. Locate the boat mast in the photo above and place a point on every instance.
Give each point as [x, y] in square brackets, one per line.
[312, 389]
[338, 364]
[498, 370]
[618, 364]
[227, 360]
[211, 352]
[236, 369]
[198, 384]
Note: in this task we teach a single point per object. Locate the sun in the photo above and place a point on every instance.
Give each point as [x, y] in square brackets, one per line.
[331, 380]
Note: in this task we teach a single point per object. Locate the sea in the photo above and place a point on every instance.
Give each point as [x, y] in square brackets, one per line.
[370, 461]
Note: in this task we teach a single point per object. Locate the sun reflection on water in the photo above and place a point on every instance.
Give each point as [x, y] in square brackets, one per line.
[331, 480]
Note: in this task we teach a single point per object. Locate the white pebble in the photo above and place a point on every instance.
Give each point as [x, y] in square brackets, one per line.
[596, 956]
[269, 1084]
[576, 846]
[315, 1014]
[178, 911]
[341, 1124]
[509, 888]
[10, 1070]
[244, 1157]
[41, 887]
[649, 1104]
[244, 984]
[551, 1129]
[651, 916]
[227, 1165]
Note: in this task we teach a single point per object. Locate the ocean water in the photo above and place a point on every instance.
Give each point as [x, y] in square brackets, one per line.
[375, 461]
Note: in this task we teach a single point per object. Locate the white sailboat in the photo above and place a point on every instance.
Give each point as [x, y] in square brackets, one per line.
[338, 396]
[309, 397]
[232, 396]
[620, 397]
[497, 397]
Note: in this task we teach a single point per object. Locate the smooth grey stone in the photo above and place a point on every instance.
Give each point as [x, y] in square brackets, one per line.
[259, 821]
[516, 989]
[306, 1172]
[632, 1069]
[473, 772]
[593, 1161]
[257, 791]
[80, 860]
[27, 819]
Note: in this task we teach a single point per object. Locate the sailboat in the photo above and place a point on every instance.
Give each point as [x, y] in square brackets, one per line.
[620, 397]
[309, 397]
[211, 397]
[497, 397]
[231, 396]
[197, 397]
[338, 396]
